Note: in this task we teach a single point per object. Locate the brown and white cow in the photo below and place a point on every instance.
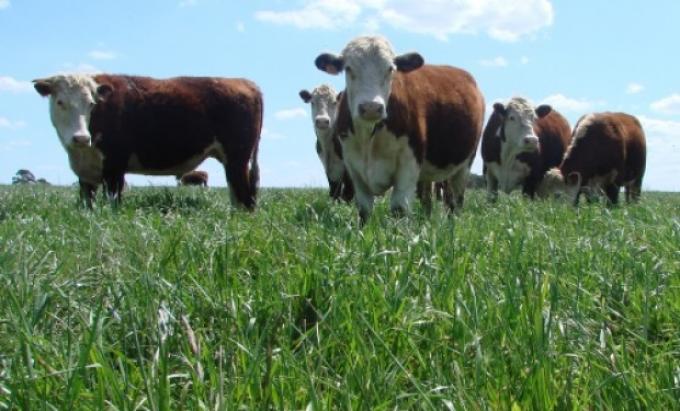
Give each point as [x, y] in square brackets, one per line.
[401, 122]
[194, 178]
[324, 102]
[115, 124]
[608, 151]
[520, 144]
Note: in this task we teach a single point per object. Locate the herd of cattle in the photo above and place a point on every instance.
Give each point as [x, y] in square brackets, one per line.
[399, 124]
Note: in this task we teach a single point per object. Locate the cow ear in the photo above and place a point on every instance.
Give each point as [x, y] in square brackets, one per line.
[306, 96]
[409, 62]
[499, 108]
[43, 87]
[574, 179]
[330, 63]
[543, 110]
[104, 91]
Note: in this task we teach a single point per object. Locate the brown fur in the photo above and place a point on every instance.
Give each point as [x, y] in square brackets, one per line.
[165, 122]
[612, 142]
[194, 178]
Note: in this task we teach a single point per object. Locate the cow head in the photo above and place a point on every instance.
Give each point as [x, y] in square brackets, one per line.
[517, 128]
[72, 98]
[556, 184]
[369, 64]
[324, 101]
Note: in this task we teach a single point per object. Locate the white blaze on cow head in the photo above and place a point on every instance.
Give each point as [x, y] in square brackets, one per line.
[324, 101]
[557, 185]
[517, 129]
[369, 64]
[72, 98]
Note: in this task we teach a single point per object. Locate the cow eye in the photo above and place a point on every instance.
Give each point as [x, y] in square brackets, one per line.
[60, 103]
[512, 118]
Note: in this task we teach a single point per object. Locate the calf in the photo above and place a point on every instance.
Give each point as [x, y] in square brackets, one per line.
[520, 144]
[608, 151]
[194, 178]
[115, 124]
[324, 102]
[401, 122]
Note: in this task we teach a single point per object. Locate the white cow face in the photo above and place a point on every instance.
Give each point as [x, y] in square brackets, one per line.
[324, 101]
[518, 124]
[369, 64]
[565, 188]
[72, 98]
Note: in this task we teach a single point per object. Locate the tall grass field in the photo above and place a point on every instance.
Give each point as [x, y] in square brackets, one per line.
[176, 301]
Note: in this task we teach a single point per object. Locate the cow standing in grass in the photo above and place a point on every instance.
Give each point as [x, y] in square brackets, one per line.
[194, 178]
[401, 122]
[520, 144]
[608, 151]
[324, 102]
[115, 124]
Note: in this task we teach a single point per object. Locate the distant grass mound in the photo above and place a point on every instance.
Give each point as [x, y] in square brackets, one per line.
[176, 301]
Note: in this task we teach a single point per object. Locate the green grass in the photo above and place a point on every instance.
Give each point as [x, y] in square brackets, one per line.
[175, 301]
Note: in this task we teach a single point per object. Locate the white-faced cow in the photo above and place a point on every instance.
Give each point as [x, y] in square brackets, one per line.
[194, 178]
[520, 144]
[608, 151]
[401, 122]
[115, 124]
[324, 102]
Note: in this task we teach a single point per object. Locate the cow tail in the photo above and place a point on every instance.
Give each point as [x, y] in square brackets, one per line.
[254, 173]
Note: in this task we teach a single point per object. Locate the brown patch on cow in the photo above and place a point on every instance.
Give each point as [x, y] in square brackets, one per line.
[611, 147]
[164, 125]
[195, 178]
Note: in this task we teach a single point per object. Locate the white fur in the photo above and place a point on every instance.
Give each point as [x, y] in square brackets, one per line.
[71, 100]
[86, 163]
[324, 106]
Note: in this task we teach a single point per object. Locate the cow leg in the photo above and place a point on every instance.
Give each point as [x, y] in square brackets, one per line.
[240, 189]
[633, 191]
[455, 195]
[87, 192]
[424, 194]
[491, 186]
[334, 189]
[347, 188]
[114, 183]
[405, 184]
[612, 192]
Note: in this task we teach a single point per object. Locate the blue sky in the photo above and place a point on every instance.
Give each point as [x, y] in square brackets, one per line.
[580, 56]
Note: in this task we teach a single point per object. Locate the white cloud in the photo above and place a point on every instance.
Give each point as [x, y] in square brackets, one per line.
[634, 88]
[494, 62]
[12, 125]
[4, 4]
[567, 104]
[102, 55]
[188, 3]
[272, 135]
[14, 144]
[524, 60]
[669, 105]
[13, 85]
[290, 113]
[499, 19]
[240, 27]
[663, 150]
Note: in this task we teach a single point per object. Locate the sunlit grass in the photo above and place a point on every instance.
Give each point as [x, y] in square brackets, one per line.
[176, 301]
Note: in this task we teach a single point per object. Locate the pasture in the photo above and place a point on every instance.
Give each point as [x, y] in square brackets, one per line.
[175, 301]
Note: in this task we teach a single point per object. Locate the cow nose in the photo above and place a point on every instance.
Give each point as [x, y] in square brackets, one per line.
[371, 111]
[322, 122]
[81, 139]
[531, 142]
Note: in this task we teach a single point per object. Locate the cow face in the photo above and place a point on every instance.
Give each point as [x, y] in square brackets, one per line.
[324, 101]
[555, 184]
[517, 129]
[72, 98]
[369, 64]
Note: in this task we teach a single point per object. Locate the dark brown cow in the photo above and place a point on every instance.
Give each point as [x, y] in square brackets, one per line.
[115, 124]
[608, 151]
[194, 178]
[402, 123]
[520, 144]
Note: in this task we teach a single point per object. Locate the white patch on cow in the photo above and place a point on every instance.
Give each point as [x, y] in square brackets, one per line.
[369, 69]
[324, 113]
[580, 131]
[214, 150]
[87, 164]
[378, 163]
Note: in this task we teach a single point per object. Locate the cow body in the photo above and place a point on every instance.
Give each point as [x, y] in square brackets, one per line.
[324, 102]
[130, 124]
[194, 178]
[608, 151]
[401, 123]
[520, 144]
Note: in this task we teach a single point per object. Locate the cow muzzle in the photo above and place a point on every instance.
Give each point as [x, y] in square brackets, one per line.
[322, 123]
[530, 143]
[81, 139]
[372, 111]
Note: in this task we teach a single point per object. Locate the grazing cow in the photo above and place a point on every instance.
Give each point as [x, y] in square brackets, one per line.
[194, 178]
[520, 144]
[324, 102]
[115, 124]
[402, 123]
[608, 151]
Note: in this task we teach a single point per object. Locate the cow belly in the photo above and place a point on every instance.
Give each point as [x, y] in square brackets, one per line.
[430, 172]
[136, 165]
[87, 163]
